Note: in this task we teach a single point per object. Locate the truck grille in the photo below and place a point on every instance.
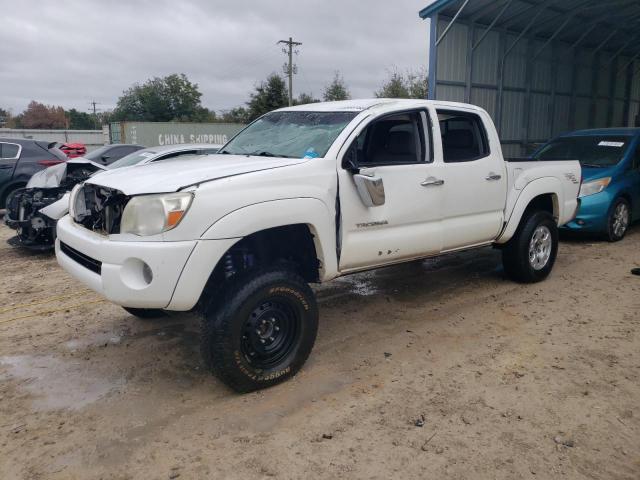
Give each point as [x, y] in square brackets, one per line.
[99, 208]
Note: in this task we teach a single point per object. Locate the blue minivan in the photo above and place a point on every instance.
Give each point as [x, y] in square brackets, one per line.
[610, 190]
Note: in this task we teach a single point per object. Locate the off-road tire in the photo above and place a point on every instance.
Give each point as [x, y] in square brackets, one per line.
[146, 313]
[229, 339]
[515, 254]
[612, 235]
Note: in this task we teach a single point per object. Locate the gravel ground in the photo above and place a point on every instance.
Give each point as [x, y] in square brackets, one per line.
[436, 369]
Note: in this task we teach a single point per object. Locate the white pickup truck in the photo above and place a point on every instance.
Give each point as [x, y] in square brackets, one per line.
[304, 195]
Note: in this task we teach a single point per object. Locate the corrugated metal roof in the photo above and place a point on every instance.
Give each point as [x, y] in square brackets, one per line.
[614, 23]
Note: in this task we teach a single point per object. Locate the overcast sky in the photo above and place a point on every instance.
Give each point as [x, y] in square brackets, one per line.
[69, 52]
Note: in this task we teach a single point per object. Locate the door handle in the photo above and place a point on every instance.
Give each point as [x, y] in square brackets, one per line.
[432, 182]
[493, 176]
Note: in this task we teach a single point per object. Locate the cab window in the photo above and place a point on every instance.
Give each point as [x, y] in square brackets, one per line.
[393, 140]
[464, 138]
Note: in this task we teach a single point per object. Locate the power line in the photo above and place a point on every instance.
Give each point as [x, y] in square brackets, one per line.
[289, 68]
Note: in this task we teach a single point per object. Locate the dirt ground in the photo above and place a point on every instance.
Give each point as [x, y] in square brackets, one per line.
[436, 369]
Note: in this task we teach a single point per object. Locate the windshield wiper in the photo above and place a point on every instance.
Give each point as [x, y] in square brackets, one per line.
[264, 153]
[592, 165]
[261, 153]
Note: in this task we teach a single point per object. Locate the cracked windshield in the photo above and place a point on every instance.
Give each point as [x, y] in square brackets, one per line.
[290, 134]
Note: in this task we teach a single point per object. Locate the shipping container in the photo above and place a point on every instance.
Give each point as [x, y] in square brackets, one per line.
[151, 134]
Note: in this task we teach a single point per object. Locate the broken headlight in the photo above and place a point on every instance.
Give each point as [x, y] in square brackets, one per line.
[77, 203]
[152, 214]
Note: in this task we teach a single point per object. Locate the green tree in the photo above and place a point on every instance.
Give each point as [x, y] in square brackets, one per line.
[167, 99]
[81, 120]
[269, 95]
[236, 115]
[336, 90]
[418, 84]
[4, 117]
[305, 98]
[409, 85]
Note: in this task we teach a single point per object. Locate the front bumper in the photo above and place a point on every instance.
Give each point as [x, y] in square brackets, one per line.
[168, 275]
[592, 214]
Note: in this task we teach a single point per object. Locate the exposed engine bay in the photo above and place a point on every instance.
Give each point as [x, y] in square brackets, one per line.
[99, 208]
[32, 211]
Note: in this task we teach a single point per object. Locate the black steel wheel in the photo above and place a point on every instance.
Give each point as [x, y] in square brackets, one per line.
[261, 331]
[270, 333]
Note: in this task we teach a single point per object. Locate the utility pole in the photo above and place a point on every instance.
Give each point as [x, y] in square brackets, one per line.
[93, 103]
[289, 68]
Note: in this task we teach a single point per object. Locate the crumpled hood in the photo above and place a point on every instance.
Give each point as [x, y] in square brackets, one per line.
[53, 176]
[172, 175]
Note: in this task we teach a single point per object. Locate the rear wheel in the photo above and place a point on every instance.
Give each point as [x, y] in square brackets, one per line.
[618, 220]
[529, 256]
[146, 313]
[262, 331]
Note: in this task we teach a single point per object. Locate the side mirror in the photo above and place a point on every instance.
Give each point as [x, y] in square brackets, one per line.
[350, 159]
[370, 189]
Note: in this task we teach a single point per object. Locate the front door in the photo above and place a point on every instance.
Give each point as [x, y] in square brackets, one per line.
[395, 149]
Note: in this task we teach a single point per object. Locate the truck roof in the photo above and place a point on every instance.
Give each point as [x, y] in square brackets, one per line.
[373, 103]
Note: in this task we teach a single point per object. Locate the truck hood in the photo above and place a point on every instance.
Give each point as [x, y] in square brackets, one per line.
[173, 175]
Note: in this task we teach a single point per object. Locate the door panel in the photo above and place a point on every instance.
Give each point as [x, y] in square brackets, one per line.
[473, 210]
[406, 226]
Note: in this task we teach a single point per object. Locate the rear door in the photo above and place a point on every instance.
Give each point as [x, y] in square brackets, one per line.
[9, 154]
[475, 180]
[397, 150]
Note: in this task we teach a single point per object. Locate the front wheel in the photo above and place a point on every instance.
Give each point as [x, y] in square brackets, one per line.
[618, 220]
[529, 256]
[262, 331]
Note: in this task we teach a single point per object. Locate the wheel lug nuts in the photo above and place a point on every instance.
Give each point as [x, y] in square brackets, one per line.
[271, 339]
[276, 328]
[262, 340]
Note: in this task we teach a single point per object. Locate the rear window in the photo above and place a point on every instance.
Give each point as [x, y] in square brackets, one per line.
[9, 150]
[598, 151]
[464, 138]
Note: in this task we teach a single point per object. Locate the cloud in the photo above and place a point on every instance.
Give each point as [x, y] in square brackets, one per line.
[73, 51]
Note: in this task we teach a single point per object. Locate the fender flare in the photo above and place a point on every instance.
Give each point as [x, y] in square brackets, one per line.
[278, 213]
[541, 186]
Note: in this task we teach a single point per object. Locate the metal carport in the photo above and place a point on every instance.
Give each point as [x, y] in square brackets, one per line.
[539, 67]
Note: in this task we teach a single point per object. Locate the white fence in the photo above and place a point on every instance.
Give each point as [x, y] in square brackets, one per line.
[91, 138]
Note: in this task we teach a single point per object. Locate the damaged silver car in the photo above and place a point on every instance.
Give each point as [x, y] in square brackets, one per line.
[33, 211]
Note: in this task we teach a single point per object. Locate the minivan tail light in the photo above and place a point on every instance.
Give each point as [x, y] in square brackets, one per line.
[49, 163]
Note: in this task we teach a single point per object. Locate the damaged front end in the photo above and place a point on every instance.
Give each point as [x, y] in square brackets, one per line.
[34, 211]
[98, 209]
[35, 230]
